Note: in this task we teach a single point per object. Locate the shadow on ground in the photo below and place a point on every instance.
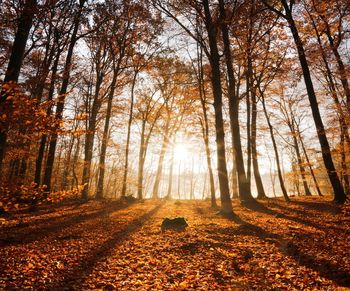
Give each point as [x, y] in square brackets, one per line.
[71, 280]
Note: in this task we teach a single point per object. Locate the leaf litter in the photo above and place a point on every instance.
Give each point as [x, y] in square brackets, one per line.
[97, 245]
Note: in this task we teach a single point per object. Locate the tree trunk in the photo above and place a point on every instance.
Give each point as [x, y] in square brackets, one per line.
[234, 178]
[67, 166]
[89, 140]
[248, 105]
[62, 97]
[191, 180]
[344, 166]
[214, 58]
[141, 162]
[279, 171]
[329, 76]
[300, 162]
[179, 182]
[204, 186]
[75, 162]
[155, 193]
[105, 136]
[243, 184]
[205, 127]
[43, 140]
[171, 171]
[340, 63]
[257, 176]
[339, 194]
[309, 164]
[15, 62]
[126, 165]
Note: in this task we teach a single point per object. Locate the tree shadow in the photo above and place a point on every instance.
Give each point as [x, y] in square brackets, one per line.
[258, 207]
[329, 207]
[326, 268]
[51, 225]
[74, 278]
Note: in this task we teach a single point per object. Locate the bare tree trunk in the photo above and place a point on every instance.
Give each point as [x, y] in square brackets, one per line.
[205, 126]
[155, 193]
[62, 96]
[257, 176]
[89, 140]
[300, 163]
[214, 58]
[105, 137]
[204, 186]
[279, 171]
[141, 162]
[340, 63]
[179, 182]
[339, 194]
[126, 165]
[66, 170]
[234, 178]
[344, 167]
[295, 176]
[75, 161]
[329, 76]
[243, 183]
[248, 105]
[309, 164]
[43, 140]
[171, 171]
[191, 180]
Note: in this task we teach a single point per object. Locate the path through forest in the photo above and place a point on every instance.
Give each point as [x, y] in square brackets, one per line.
[120, 246]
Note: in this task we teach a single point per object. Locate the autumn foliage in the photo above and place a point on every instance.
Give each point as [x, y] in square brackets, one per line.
[147, 145]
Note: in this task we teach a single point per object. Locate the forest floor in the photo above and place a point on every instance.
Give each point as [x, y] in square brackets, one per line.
[304, 244]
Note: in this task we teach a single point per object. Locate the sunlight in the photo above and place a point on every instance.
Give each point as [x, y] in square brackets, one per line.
[180, 152]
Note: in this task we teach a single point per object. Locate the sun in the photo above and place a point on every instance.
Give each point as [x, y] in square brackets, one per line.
[180, 152]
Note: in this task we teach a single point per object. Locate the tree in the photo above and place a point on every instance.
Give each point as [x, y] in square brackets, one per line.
[339, 194]
[62, 94]
[15, 62]
[272, 135]
[144, 51]
[101, 61]
[60, 38]
[288, 106]
[149, 111]
[200, 74]
[243, 181]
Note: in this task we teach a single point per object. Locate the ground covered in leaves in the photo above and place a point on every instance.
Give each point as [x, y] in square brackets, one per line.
[304, 244]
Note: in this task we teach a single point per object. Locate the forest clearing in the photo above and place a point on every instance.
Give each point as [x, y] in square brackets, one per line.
[303, 244]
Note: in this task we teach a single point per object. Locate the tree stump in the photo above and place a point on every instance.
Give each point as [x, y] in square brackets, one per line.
[177, 223]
